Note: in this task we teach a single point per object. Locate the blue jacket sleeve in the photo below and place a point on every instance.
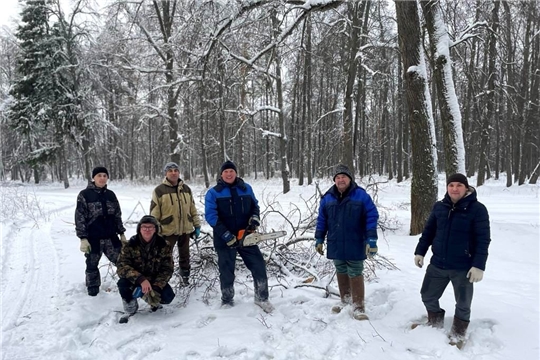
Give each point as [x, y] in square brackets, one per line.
[211, 214]
[372, 217]
[322, 227]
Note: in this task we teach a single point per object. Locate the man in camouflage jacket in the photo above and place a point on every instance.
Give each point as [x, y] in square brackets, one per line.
[145, 262]
[98, 222]
[173, 206]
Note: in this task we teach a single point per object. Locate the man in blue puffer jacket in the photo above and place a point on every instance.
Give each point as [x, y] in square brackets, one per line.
[231, 206]
[348, 218]
[459, 235]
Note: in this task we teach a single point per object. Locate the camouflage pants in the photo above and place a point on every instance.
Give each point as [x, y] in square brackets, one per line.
[182, 241]
[93, 278]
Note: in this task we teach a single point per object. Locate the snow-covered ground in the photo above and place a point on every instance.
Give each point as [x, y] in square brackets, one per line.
[46, 313]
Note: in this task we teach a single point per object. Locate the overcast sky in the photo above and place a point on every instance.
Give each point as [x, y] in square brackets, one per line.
[9, 10]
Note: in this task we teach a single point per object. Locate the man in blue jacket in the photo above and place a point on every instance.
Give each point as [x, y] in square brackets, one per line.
[458, 232]
[231, 206]
[348, 219]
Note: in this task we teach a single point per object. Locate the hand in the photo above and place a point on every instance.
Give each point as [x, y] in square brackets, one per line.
[123, 239]
[233, 242]
[475, 275]
[85, 246]
[152, 298]
[146, 287]
[319, 246]
[419, 260]
[254, 221]
[197, 232]
[371, 247]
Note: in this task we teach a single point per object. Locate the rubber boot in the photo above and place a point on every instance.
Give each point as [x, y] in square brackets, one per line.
[357, 291]
[344, 292]
[436, 319]
[458, 332]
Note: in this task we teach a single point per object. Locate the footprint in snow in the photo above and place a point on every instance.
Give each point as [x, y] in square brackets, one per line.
[204, 321]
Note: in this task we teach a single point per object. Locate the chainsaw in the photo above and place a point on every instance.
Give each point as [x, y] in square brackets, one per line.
[247, 238]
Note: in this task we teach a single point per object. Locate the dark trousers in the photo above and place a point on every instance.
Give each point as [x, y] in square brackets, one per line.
[126, 287]
[182, 241]
[435, 282]
[254, 262]
[93, 277]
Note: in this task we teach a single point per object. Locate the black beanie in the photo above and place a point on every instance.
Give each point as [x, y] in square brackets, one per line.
[458, 178]
[99, 169]
[147, 219]
[228, 165]
[342, 169]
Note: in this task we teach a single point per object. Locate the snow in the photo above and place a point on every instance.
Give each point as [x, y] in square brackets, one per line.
[46, 313]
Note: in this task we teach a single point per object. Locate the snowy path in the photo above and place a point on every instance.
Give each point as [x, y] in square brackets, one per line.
[46, 313]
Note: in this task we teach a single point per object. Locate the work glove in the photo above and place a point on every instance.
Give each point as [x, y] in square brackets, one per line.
[123, 239]
[253, 223]
[196, 233]
[153, 298]
[475, 275]
[319, 246]
[85, 246]
[419, 260]
[230, 239]
[371, 247]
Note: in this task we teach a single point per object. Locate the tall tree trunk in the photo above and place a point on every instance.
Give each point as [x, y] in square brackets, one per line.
[454, 150]
[490, 112]
[424, 181]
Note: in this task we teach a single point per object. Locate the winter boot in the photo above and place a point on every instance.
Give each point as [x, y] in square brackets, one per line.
[265, 305]
[93, 290]
[357, 291]
[436, 319]
[344, 292]
[185, 277]
[457, 334]
[130, 307]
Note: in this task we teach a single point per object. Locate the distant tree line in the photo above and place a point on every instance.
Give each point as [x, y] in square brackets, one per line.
[282, 87]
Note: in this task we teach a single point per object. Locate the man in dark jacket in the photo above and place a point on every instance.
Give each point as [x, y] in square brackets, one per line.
[458, 232]
[145, 262]
[98, 221]
[231, 206]
[348, 218]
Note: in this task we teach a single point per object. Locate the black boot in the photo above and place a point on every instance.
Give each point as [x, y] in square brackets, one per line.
[436, 319]
[458, 332]
[93, 290]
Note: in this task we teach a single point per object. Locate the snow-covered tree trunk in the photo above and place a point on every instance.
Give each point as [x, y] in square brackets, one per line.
[454, 149]
[424, 155]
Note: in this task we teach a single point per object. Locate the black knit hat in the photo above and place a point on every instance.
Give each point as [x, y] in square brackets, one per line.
[458, 178]
[342, 169]
[228, 165]
[99, 169]
[147, 219]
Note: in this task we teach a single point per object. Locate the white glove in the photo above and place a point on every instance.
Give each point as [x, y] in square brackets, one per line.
[85, 246]
[123, 239]
[419, 260]
[475, 275]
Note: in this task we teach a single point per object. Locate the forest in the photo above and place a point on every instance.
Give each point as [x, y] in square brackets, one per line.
[285, 88]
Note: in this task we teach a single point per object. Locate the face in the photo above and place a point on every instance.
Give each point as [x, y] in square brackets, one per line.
[456, 191]
[147, 231]
[173, 175]
[342, 182]
[101, 179]
[228, 175]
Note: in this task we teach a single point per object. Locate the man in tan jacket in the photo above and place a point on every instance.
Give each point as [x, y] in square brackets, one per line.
[173, 206]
